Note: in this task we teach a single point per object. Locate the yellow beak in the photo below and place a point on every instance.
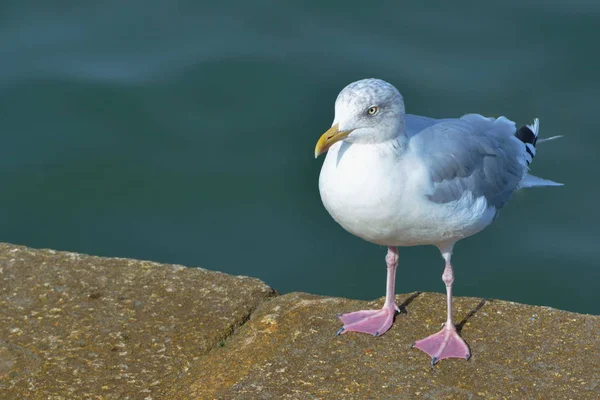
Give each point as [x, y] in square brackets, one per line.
[330, 137]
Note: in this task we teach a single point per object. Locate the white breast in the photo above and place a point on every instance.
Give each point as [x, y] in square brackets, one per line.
[378, 193]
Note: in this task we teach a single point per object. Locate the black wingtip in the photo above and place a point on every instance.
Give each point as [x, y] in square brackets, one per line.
[529, 151]
[526, 135]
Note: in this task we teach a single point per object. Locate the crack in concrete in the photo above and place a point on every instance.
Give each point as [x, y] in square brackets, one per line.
[222, 341]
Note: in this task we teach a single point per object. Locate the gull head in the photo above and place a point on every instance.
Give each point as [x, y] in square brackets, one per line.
[366, 111]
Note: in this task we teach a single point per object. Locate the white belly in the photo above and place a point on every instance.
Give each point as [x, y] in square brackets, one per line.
[381, 197]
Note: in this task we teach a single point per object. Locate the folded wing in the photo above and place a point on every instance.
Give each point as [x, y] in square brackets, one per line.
[473, 154]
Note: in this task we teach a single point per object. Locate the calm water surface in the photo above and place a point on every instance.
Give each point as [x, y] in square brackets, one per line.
[183, 132]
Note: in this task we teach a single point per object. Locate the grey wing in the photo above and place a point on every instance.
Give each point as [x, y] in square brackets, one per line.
[472, 154]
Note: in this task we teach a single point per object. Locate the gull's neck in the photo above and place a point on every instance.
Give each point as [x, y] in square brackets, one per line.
[397, 144]
[399, 141]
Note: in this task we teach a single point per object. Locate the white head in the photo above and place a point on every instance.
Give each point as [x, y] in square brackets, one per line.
[366, 111]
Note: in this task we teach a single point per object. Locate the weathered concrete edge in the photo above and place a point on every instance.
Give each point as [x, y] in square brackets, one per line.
[125, 297]
[273, 292]
[235, 328]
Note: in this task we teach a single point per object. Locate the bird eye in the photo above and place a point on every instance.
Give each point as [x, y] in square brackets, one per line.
[372, 110]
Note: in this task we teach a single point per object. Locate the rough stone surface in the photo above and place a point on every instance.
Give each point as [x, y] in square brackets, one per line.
[288, 350]
[79, 327]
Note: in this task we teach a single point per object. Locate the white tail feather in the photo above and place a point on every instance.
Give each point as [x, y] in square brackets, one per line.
[533, 181]
[549, 139]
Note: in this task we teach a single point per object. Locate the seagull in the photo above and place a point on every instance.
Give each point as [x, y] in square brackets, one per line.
[396, 179]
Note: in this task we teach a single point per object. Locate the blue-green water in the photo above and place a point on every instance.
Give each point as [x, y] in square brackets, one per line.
[183, 132]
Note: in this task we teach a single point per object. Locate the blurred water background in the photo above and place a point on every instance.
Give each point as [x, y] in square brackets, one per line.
[183, 132]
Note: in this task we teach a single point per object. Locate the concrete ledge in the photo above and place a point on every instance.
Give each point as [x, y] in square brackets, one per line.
[76, 327]
[288, 350]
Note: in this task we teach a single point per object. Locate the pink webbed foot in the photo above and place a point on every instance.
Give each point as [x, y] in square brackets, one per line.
[373, 322]
[447, 343]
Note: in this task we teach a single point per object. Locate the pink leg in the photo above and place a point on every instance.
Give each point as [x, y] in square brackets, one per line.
[446, 343]
[376, 322]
